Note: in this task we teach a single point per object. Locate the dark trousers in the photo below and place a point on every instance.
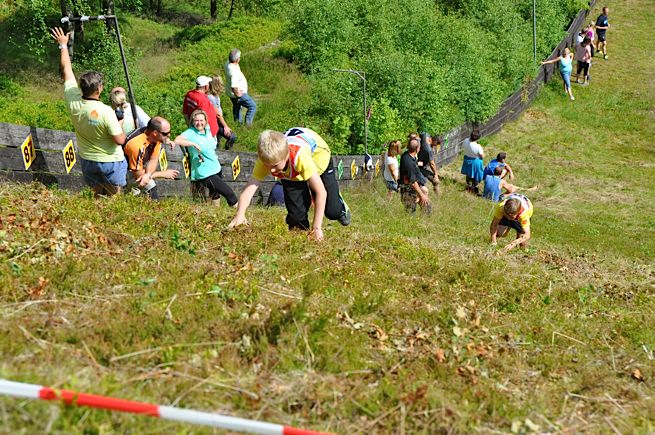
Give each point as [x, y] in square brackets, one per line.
[216, 187]
[230, 140]
[298, 199]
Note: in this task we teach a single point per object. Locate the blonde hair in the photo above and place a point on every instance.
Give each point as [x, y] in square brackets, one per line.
[272, 147]
[117, 98]
[512, 207]
[216, 86]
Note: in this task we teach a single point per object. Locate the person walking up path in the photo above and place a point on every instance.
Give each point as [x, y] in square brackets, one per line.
[237, 89]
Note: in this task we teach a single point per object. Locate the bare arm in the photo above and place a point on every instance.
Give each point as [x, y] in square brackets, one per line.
[509, 171]
[237, 92]
[422, 197]
[519, 240]
[119, 139]
[509, 188]
[244, 202]
[58, 35]
[320, 197]
[143, 177]
[557, 59]
[184, 142]
[493, 230]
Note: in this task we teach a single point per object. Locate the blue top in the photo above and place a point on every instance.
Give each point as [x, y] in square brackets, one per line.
[492, 187]
[491, 167]
[207, 143]
[566, 64]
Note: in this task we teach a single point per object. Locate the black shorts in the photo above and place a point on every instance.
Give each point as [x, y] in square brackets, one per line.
[601, 38]
[515, 225]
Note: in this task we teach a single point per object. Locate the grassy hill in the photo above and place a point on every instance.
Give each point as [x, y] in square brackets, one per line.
[406, 324]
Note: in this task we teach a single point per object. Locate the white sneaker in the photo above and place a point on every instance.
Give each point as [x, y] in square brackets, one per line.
[572, 98]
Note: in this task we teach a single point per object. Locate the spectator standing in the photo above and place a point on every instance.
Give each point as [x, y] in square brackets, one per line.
[99, 134]
[391, 173]
[473, 166]
[216, 88]
[237, 89]
[302, 160]
[513, 212]
[591, 35]
[565, 69]
[411, 191]
[583, 54]
[206, 171]
[426, 161]
[142, 153]
[123, 110]
[602, 24]
[197, 99]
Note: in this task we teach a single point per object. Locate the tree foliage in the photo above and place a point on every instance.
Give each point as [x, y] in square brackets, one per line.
[434, 66]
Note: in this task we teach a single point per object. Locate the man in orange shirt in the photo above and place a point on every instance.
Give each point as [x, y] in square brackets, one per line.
[142, 153]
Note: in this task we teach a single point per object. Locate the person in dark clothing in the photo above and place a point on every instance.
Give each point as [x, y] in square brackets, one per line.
[426, 161]
[602, 25]
[411, 192]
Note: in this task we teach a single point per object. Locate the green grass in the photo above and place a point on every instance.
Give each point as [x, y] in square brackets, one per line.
[397, 323]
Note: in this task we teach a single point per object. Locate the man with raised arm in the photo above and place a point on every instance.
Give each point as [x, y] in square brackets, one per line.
[99, 135]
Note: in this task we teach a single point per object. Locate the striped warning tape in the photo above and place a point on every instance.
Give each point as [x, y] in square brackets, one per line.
[31, 391]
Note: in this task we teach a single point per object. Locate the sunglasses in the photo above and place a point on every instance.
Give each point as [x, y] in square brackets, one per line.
[165, 134]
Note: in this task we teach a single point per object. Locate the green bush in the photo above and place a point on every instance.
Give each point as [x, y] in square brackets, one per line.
[435, 65]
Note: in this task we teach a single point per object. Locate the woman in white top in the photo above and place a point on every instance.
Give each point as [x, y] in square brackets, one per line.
[391, 167]
[473, 166]
[119, 103]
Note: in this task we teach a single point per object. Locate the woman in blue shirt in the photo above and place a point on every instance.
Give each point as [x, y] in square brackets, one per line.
[565, 68]
[205, 167]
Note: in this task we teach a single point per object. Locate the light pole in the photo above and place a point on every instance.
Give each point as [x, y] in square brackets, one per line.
[362, 76]
[83, 18]
[534, 29]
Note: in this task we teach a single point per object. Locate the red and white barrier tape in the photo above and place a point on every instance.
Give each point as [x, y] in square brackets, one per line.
[31, 391]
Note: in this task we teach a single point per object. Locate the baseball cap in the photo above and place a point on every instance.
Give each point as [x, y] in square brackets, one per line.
[203, 80]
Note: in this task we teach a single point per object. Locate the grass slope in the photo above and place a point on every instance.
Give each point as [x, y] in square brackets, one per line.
[396, 324]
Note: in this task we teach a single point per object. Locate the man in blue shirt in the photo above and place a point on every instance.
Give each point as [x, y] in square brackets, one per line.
[499, 161]
[601, 27]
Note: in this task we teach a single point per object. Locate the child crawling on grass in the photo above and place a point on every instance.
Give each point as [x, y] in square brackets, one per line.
[302, 161]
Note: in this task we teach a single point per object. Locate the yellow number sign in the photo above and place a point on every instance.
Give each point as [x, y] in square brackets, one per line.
[377, 167]
[186, 165]
[69, 156]
[353, 170]
[236, 168]
[27, 149]
[163, 161]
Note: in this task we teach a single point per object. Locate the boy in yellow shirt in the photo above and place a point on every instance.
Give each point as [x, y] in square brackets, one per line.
[513, 212]
[301, 159]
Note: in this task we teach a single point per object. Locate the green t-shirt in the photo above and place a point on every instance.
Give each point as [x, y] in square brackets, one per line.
[207, 143]
[95, 123]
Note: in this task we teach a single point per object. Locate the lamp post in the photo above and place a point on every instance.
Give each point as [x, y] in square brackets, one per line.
[534, 29]
[83, 18]
[362, 76]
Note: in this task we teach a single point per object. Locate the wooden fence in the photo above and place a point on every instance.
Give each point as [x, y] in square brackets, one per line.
[48, 164]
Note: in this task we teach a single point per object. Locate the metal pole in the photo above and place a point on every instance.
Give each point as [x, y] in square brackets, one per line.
[534, 29]
[127, 75]
[365, 116]
[65, 20]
